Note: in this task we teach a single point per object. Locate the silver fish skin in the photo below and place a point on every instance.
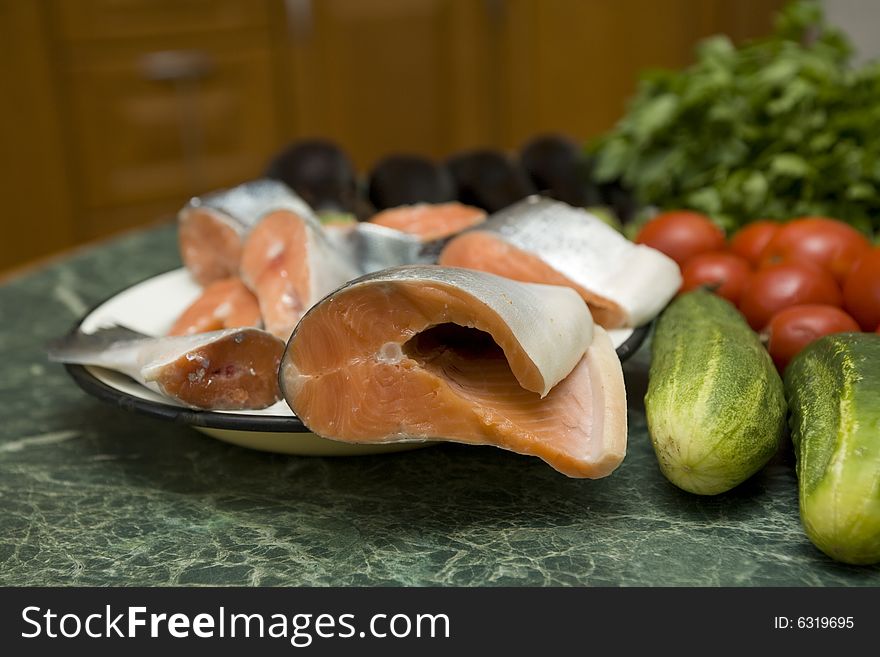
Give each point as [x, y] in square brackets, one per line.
[372, 248]
[213, 228]
[365, 247]
[141, 357]
[113, 347]
[550, 323]
[244, 205]
[242, 208]
[593, 255]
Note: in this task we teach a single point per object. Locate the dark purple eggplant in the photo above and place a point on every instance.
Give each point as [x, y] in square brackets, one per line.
[559, 169]
[320, 172]
[403, 179]
[489, 179]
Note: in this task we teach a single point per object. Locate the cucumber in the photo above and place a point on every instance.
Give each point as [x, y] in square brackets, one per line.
[715, 404]
[833, 390]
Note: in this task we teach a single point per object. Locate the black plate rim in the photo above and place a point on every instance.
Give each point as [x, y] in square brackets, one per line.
[230, 421]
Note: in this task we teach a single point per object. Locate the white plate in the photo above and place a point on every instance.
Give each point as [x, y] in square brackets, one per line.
[151, 308]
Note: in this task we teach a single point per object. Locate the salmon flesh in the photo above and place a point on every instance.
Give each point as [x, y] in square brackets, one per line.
[422, 352]
[540, 240]
[430, 221]
[232, 369]
[212, 228]
[290, 263]
[225, 303]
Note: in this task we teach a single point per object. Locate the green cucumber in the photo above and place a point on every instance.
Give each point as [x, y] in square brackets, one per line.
[833, 390]
[715, 404]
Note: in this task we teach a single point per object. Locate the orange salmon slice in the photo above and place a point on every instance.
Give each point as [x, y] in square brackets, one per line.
[210, 244]
[541, 240]
[226, 303]
[212, 228]
[488, 252]
[388, 359]
[429, 221]
[236, 372]
[289, 263]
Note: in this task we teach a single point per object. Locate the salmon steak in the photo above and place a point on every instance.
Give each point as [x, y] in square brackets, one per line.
[405, 235]
[430, 221]
[212, 228]
[289, 263]
[225, 303]
[540, 240]
[232, 369]
[423, 353]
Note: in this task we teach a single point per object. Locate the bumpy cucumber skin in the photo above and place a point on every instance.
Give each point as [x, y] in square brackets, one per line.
[833, 390]
[715, 404]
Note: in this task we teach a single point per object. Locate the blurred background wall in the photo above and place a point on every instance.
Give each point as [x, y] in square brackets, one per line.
[861, 20]
[114, 112]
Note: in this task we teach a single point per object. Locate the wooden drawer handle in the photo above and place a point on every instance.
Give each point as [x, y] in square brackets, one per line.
[176, 65]
[299, 19]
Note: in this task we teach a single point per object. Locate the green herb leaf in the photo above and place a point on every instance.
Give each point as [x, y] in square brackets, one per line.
[778, 127]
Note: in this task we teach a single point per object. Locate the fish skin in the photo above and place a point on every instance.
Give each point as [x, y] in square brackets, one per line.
[554, 347]
[77, 341]
[246, 209]
[212, 228]
[568, 239]
[145, 358]
[329, 265]
[290, 263]
[126, 350]
[244, 205]
[430, 221]
[373, 248]
[365, 247]
[352, 381]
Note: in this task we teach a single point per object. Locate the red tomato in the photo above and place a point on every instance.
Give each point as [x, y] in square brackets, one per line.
[830, 244]
[681, 235]
[724, 273]
[773, 288]
[795, 327]
[861, 291]
[749, 242]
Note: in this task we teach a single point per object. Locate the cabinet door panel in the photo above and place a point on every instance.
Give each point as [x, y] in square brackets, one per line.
[571, 65]
[124, 19]
[388, 75]
[37, 217]
[139, 139]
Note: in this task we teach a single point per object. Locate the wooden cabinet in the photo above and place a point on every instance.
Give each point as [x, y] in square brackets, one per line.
[140, 138]
[36, 216]
[381, 76]
[570, 66]
[124, 20]
[121, 109]
[166, 100]
[436, 76]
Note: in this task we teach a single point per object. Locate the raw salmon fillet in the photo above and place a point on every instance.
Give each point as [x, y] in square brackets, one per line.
[232, 369]
[212, 228]
[226, 303]
[430, 221]
[289, 263]
[543, 241]
[431, 353]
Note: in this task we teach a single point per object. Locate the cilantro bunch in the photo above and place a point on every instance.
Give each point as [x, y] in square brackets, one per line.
[777, 128]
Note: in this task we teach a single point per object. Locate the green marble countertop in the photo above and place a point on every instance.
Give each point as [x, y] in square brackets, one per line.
[94, 495]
